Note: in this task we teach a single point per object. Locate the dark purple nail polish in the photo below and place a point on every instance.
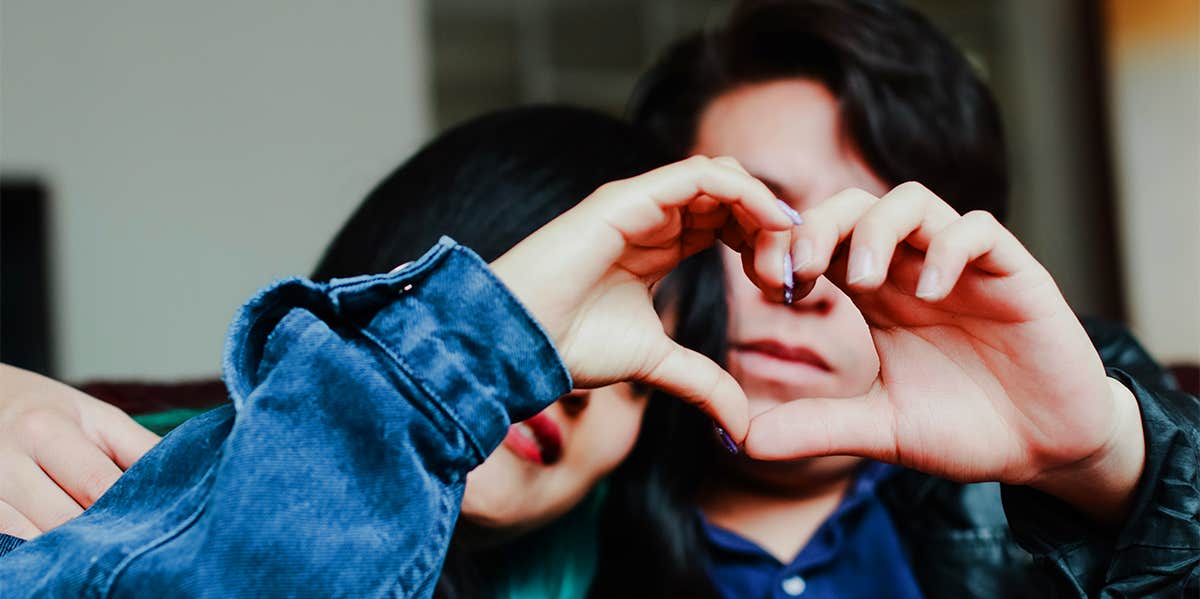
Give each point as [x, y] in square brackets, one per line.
[726, 440]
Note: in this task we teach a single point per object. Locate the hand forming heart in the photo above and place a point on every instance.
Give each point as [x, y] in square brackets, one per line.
[985, 372]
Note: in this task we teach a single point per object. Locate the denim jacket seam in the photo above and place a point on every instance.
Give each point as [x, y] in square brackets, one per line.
[106, 589]
[516, 307]
[430, 573]
[419, 383]
[509, 298]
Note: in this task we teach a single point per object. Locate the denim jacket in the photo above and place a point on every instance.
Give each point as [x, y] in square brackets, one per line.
[374, 395]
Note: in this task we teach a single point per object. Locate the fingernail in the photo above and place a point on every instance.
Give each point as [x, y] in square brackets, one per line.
[927, 286]
[803, 291]
[804, 253]
[726, 440]
[862, 266]
[788, 276]
[790, 212]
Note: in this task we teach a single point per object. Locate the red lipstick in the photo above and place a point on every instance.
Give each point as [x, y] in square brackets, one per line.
[537, 439]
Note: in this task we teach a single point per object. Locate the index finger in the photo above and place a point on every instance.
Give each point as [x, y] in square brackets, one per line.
[74, 462]
[677, 185]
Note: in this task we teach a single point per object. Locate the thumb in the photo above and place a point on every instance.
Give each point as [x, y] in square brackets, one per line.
[692, 377]
[811, 427]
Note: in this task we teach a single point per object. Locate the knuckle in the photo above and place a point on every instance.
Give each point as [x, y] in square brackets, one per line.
[612, 188]
[113, 413]
[856, 195]
[729, 161]
[36, 424]
[911, 189]
[949, 244]
[982, 217]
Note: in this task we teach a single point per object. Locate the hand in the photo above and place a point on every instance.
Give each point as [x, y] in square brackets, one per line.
[985, 372]
[60, 450]
[586, 276]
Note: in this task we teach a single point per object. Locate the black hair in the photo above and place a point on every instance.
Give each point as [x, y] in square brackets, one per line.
[915, 109]
[909, 99]
[487, 183]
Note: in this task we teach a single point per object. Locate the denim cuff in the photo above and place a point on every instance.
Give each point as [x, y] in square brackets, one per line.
[444, 320]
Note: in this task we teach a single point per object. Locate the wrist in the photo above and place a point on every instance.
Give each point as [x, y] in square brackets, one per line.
[1102, 484]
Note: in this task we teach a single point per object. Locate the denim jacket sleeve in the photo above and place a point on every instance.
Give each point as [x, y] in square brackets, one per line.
[358, 408]
[1156, 551]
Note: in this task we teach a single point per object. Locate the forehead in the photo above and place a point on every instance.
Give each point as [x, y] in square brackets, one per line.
[789, 133]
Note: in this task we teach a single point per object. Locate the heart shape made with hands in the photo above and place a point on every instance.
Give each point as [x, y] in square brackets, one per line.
[985, 372]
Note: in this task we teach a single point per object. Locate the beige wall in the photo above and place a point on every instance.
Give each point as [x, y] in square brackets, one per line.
[196, 151]
[1154, 85]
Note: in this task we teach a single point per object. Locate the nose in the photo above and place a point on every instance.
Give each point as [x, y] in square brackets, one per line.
[817, 297]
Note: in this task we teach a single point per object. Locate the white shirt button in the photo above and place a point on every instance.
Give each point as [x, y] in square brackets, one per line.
[794, 586]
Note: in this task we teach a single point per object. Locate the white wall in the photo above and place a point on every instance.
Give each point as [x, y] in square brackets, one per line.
[1154, 81]
[195, 151]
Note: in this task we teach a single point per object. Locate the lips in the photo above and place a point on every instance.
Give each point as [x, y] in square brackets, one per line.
[537, 439]
[779, 351]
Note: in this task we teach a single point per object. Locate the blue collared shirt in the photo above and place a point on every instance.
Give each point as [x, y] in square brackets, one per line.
[856, 552]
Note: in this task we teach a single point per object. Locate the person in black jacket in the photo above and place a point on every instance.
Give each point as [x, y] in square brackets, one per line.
[1031, 462]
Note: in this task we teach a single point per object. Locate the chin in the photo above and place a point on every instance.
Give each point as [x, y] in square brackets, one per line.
[496, 495]
[803, 472]
[489, 511]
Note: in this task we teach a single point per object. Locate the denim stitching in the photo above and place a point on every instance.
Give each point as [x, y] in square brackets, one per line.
[106, 590]
[420, 384]
[509, 298]
[422, 563]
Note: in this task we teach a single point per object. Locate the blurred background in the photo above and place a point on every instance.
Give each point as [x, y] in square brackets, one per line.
[160, 161]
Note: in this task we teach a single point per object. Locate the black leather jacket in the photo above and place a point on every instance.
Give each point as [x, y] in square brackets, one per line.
[992, 540]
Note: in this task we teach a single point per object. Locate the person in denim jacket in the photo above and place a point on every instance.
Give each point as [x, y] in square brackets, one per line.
[463, 183]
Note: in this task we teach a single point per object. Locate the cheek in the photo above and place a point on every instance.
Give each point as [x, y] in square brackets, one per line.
[860, 361]
[605, 438]
[744, 298]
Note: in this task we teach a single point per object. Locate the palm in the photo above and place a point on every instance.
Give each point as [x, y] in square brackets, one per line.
[989, 359]
[617, 334]
[993, 379]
